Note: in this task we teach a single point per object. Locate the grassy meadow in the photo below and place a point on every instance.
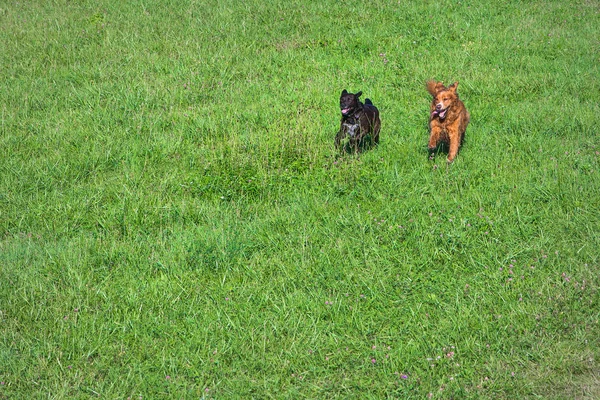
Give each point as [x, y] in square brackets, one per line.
[176, 223]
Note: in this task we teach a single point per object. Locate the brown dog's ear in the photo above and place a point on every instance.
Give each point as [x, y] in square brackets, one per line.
[344, 92]
[433, 87]
[357, 95]
[453, 87]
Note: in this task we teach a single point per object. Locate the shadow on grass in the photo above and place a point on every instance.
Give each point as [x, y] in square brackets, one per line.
[366, 144]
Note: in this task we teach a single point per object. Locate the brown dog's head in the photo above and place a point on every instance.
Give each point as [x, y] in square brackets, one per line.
[443, 98]
[349, 102]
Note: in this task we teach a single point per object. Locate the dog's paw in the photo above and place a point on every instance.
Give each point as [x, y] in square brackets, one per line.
[431, 153]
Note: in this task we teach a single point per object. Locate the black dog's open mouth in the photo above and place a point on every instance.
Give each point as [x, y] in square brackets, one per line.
[346, 111]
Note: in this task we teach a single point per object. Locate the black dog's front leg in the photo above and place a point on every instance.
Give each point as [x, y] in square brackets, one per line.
[357, 143]
[340, 135]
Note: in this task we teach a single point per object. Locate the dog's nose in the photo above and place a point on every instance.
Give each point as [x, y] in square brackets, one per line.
[438, 106]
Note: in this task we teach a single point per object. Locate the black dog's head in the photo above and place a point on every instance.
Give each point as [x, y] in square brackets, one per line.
[349, 102]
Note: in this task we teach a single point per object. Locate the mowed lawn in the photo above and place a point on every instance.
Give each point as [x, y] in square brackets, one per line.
[176, 223]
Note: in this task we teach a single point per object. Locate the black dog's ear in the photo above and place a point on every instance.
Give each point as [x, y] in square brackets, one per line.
[357, 95]
[344, 92]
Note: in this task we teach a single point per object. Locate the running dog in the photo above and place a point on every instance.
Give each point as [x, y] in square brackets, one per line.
[448, 118]
[360, 122]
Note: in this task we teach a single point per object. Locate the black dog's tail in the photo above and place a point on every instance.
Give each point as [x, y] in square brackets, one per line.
[369, 102]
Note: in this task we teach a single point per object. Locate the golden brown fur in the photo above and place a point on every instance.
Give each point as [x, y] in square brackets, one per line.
[448, 118]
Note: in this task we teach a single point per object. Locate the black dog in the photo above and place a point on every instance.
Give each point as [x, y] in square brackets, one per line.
[359, 121]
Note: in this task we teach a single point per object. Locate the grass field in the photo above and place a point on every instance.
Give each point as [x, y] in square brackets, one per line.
[175, 221]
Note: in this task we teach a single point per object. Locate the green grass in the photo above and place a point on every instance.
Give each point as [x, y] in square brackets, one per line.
[175, 222]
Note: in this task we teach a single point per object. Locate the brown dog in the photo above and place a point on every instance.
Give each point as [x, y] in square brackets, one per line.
[360, 122]
[448, 118]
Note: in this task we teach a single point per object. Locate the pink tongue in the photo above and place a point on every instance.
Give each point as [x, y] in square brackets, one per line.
[443, 114]
[345, 110]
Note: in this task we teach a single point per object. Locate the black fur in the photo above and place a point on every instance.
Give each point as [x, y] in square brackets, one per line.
[360, 122]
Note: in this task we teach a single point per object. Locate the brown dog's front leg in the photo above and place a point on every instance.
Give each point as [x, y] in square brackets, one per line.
[434, 139]
[454, 144]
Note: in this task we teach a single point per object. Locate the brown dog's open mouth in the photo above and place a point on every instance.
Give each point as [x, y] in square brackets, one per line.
[441, 113]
